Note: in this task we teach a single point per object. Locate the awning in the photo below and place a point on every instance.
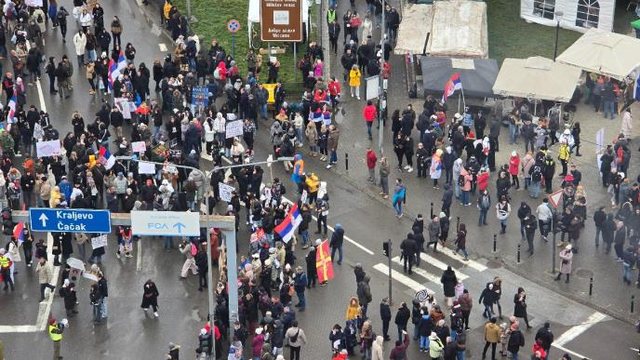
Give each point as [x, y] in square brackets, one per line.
[477, 75]
[606, 53]
[537, 78]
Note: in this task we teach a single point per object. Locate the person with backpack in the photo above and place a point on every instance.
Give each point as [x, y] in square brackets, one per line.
[516, 340]
[484, 204]
[296, 339]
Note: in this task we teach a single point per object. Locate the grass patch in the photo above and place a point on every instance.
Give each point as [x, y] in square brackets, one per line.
[511, 36]
[212, 18]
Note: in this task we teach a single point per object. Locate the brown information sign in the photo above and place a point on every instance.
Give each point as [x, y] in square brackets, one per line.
[281, 20]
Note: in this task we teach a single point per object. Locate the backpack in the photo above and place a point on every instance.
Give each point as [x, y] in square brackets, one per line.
[461, 180]
[536, 173]
[39, 19]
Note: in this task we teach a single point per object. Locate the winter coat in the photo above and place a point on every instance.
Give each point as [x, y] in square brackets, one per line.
[301, 338]
[492, 332]
[520, 308]
[449, 282]
[566, 259]
[377, 351]
[516, 341]
[44, 273]
[80, 42]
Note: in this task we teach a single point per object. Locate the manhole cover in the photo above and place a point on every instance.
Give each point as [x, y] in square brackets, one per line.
[584, 273]
[494, 264]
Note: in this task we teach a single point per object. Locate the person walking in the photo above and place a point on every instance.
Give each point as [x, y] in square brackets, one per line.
[150, 297]
[516, 341]
[491, 338]
[520, 308]
[461, 241]
[337, 239]
[449, 282]
[399, 197]
[408, 247]
[68, 293]
[203, 266]
[55, 330]
[487, 299]
[371, 159]
[434, 232]
[466, 304]
[44, 277]
[484, 204]
[355, 77]
[385, 316]
[503, 210]
[190, 250]
[566, 259]
[545, 336]
[530, 226]
[295, 339]
[401, 320]
[369, 114]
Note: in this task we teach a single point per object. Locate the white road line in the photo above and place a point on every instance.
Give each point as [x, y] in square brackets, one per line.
[139, 255]
[349, 240]
[562, 348]
[442, 266]
[577, 330]
[405, 280]
[162, 47]
[425, 274]
[44, 310]
[17, 329]
[43, 106]
[472, 264]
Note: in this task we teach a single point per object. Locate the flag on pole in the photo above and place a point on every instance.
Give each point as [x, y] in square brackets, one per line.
[18, 232]
[324, 266]
[636, 89]
[11, 114]
[106, 158]
[454, 83]
[115, 68]
[290, 223]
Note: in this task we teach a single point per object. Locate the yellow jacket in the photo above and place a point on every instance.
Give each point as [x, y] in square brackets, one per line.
[166, 9]
[353, 311]
[354, 77]
[313, 183]
[563, 152]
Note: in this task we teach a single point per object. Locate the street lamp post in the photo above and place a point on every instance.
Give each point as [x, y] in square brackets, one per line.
[382, 101]
[558, 15]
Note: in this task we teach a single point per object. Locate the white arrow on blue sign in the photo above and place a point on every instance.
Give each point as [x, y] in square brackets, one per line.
[70, 220]
[165, 223]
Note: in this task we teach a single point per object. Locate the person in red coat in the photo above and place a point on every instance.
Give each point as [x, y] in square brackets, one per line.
[369, 113]
[371, 159]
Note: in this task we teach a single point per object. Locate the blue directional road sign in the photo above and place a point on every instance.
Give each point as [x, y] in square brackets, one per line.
[70, 220]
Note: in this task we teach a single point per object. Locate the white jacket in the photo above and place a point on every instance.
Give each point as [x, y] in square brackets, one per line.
[219, 124]
[209, 133]
[86, 19]
[80, 41]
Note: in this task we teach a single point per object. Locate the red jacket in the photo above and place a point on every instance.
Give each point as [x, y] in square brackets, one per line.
[371, 159]
[334, 88]
[369, 113]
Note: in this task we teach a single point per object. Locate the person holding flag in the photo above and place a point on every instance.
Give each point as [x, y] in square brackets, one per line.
[324, 264]
[286, 229]
[454, 83]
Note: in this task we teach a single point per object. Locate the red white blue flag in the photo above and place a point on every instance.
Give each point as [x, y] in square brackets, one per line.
[115, 68]
[11, 115]
[290, 223]
[454, 83]
[106, 158]
[18, 232]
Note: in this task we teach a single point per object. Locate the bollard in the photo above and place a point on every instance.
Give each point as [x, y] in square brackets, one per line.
[495, 243]
[591, 286]
[346, 160]
[431, 211]
[457, 223]
[518, 253]
[633, 302]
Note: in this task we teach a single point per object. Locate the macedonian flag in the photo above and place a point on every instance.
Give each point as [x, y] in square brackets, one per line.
[324, 266]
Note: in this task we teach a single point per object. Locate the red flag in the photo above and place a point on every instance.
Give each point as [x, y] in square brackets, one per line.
[324, 266]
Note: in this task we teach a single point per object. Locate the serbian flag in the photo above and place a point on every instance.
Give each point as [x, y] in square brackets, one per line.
[324, 266]
[106, 158]
[454, 83]
[290, 223]
[636, 89]
[18, 232]
[115, 68]
[11, 115]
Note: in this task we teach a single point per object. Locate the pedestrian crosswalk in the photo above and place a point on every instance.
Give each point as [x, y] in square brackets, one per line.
[430, 270]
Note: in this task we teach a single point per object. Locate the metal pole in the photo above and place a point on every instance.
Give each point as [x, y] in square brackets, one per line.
[381, 92]
[189, 9]
[210, 286]
[553, 247]
[232, 277]
[233, 45]
[591, 286]
[319, 4]
[390, 282]
[518, 253]
[295, 62]
[495, 243]
[555, 47]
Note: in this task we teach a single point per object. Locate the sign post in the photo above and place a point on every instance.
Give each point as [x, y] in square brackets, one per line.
[233, 26]
[70, 220]
[281, 20]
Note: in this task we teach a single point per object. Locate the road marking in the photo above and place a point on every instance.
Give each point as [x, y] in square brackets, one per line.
[349, 240]
[139, 255]
[18, 328]
[45, 310]
[162, 47]
[578, 356]
[405, 280]
[471, 263]
[43, 106]
[425, 274]
[577, 330]
[442, 266]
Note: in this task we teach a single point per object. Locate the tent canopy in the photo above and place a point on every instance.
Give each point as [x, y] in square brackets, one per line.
[577, 15]
[605, 53]
[477, 75]
[537, 78]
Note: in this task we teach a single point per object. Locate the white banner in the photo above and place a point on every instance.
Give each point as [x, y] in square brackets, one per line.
[145, 167]
[599, 140]
[99, 241]
[138, 147]
[75, 263]
[33, 3]
[48, 148]
[234, 128]
[225, 191]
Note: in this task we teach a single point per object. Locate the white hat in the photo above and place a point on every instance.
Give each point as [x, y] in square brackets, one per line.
[457, 116]
[258, 331]
[567, 132]
[514, 153]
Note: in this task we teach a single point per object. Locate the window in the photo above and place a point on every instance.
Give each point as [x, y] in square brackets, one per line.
[544, 8]
[588, 14]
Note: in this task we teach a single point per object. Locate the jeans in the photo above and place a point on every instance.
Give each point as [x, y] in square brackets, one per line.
[488, 311]
[465, 197]
[369, 124]
[398, 207]
[493, 350]
[424, 342]
[598, 231]
[464, 251]
[333, 254]
[527, 182]
[400, 329]
[305, 237]
[96, 312]
[534, 189]
[607, 108]
[460, 355]
[514, 355]
[333, 157]
[626, 271]
[103, 307]
[513, 133]
[301, 300]
[482, 220]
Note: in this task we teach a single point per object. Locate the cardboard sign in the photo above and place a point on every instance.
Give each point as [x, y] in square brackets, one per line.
[145, 167]
[234, 128]
[99, 241]
[225, 191]
[48, 148]
[138, 146]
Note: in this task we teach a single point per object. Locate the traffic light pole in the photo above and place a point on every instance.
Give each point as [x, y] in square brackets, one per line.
[390, 282]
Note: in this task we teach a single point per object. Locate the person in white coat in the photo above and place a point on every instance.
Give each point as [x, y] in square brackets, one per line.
[86, 19]
[14, 255]
[189, 251]
[80, 42]
[209, 135]
[219, 126]
[566, 259]
[627, 123]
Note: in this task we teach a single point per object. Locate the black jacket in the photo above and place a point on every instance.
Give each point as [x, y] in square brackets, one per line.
[337, 238]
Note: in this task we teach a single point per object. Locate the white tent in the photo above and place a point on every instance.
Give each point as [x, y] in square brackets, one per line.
[606, 53]
[537, 78]
[253, 15]
[578, 15]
